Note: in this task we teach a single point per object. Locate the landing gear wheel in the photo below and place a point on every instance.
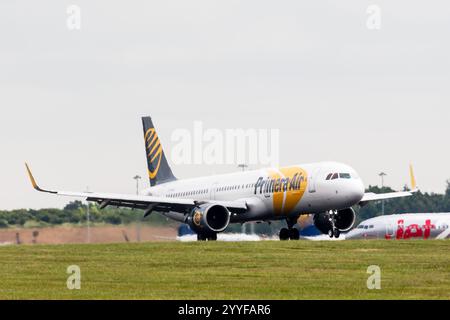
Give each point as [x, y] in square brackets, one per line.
[201, 237]
[284, 234]
[213, 237]
[337, 233]
[294, 234]
[330, 233]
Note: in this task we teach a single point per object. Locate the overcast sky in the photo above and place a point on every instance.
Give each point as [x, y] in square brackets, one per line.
[71, 100]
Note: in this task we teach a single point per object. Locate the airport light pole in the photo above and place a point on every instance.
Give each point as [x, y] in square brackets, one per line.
[138, 224]
[137, 178]
[88, 219]
[243, 166]
[382, 175]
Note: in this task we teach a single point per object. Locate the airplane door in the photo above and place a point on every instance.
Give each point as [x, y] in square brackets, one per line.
[312, 181]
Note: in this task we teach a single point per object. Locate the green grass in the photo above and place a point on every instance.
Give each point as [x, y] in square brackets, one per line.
[225, 270]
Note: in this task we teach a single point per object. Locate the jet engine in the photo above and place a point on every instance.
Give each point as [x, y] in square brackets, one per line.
[209, 219]
[343, 220]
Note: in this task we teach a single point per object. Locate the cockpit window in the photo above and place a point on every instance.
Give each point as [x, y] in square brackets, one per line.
[342, 175]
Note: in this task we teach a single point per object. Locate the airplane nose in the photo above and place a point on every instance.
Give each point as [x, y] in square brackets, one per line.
[350, 234]
[357, 192]
[360, 189]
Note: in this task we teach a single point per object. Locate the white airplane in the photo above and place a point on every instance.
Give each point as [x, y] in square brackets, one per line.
[403, 226]
[209, 204]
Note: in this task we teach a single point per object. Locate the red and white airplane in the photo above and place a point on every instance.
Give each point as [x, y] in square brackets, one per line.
[403, 226]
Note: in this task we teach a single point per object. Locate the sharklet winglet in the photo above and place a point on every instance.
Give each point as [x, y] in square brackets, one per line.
[413, 178]
[33, 181]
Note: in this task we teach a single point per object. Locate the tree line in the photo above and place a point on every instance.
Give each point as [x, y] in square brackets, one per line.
[75, 213]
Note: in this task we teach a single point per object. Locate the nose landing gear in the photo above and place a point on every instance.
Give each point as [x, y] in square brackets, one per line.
[333, 232]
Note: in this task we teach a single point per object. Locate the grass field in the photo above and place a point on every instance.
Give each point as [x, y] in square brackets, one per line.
[226, 270]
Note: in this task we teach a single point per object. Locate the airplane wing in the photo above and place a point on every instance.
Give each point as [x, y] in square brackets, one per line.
[147, 203]
[370, 196]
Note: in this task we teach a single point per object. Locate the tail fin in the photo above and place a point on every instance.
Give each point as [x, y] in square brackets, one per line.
[413, 178]
[158, 168]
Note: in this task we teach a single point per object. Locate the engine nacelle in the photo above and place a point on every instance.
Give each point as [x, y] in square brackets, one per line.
[344, 220]
[209, 218]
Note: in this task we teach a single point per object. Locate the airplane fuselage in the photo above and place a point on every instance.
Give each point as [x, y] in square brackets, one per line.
[403, 226]
[271, 193]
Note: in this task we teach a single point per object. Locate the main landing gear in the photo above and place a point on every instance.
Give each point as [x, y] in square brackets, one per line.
[289, 233]
[206, 237]
[333, 232]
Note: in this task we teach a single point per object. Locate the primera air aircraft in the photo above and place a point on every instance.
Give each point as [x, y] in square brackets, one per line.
[328, 190]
